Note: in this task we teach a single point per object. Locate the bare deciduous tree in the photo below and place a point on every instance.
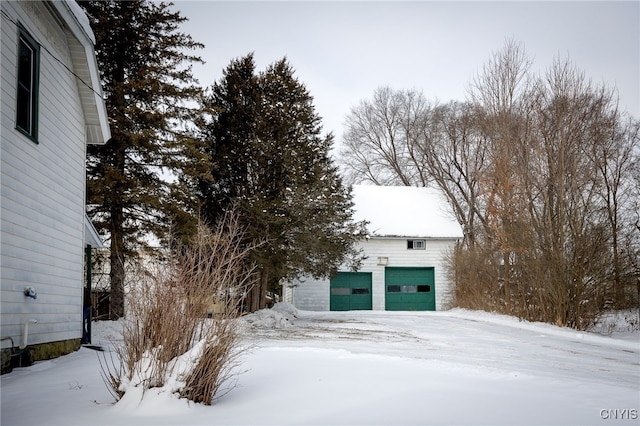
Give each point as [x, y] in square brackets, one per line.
[571, 115]
[379, 137]
[537, 169]
[399, 138]
[616, 161]
[455, 155]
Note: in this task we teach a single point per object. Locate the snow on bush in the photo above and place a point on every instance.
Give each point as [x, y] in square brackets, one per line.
[173, 381]
[180, 335]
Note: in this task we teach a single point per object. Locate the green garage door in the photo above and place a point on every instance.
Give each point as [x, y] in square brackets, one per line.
[350, 291]
[409, 289]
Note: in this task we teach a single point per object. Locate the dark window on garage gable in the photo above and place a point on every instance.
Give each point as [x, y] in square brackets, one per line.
[416, 244]
[27, 85]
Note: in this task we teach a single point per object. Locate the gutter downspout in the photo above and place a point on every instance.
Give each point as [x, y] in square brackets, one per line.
[88, 255]
[25, 332]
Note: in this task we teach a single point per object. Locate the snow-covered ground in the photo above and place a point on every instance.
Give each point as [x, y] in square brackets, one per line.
[450, 367]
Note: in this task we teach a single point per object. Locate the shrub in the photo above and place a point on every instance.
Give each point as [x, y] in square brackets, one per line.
[180, 333]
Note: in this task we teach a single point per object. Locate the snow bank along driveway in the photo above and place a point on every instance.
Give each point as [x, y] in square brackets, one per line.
[450, 367]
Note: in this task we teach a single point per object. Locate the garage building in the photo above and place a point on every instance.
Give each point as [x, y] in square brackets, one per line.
[411, 232]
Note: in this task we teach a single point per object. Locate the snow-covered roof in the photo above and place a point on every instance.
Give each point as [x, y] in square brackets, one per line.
[405, 211]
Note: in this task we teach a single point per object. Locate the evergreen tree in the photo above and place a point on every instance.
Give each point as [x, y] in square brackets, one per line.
[148, 83]
[272, 163]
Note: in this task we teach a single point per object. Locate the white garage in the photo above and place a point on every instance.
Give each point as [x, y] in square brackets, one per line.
[411, 231]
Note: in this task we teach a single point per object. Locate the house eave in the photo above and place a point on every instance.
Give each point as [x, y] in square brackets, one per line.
[81, 45]
[91, 236]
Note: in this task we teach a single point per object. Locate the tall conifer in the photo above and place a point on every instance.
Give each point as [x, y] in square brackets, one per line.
[148, 83]
[271, 160]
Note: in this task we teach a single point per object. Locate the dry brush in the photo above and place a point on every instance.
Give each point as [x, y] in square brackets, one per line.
[180, 334]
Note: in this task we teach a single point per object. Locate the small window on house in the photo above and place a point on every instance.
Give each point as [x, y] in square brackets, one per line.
[27, 85]
[340, 291]
[393, 288]
[359, 291]
[416, 244]
[424, 288]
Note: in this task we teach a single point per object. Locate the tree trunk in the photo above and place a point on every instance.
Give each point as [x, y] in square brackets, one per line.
[617, 275]
[117, 255]
[506, 272]
[116, 276]
[264, 281]
[256, 297]
[253, 295]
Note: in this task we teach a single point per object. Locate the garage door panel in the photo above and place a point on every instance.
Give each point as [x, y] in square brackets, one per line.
[409, 289]
[351, 291]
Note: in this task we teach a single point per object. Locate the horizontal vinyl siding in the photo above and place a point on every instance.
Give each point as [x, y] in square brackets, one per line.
[312, 294]
[434, 255]
[49, 328]
[56, 215]
[42, 189]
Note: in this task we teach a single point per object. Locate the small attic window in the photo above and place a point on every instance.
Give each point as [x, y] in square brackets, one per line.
[416, 244]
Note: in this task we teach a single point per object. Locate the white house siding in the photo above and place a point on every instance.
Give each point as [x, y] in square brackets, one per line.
[395, 249]
[42, 188]
[310, 294]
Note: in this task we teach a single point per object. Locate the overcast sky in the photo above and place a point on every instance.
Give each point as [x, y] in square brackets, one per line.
[343, 51]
